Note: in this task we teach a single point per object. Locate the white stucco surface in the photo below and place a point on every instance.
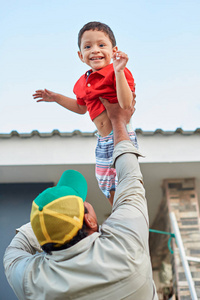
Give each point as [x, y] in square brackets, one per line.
[48, 150]
[25, 159]
[81, 149]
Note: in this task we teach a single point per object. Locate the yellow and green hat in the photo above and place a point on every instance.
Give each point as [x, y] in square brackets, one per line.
[57, 213]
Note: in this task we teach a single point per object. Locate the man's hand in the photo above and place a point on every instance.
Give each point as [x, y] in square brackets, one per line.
[120, 60]
[116, 113]
[119, 118]
[45, 95]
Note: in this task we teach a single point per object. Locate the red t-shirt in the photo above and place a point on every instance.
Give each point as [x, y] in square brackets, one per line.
[101, 83]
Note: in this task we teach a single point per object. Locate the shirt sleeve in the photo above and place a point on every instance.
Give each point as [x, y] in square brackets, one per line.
[17, 257]
[130, 79]
[130, 179]
[129, 212]
[80, 101]
[78, 87]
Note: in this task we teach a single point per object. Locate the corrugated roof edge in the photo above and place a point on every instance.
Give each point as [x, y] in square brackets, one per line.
[55, 132]
[138, 131]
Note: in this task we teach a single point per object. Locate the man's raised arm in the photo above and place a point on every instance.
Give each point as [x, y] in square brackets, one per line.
[119, 118]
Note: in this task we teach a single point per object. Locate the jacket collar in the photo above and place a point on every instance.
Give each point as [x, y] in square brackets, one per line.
[75, 250]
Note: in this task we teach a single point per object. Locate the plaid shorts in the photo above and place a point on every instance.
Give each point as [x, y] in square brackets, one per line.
[106, 176]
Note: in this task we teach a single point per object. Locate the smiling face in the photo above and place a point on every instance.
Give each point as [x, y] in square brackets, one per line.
[96, 49]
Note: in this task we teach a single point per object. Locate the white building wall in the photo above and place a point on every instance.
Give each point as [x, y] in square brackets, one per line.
[79, 149]
[39, 157]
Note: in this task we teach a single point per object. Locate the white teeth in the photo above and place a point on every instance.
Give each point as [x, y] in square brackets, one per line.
[97, 58]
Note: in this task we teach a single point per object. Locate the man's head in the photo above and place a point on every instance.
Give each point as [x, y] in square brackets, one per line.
[58, 213]
[97, 44]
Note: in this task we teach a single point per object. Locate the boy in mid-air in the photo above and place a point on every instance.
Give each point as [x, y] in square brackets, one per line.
[114, 82]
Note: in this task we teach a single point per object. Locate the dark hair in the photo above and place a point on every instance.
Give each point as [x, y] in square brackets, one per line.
[82, 233]
[97, 26]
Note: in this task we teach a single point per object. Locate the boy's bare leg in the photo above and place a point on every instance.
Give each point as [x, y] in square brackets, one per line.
[112, 193]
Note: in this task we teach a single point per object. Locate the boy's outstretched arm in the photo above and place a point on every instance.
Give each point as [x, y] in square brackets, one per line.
[68, 103]
[124, 93]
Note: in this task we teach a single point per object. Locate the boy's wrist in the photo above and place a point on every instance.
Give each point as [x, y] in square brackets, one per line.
[58, 98]
[119, 73]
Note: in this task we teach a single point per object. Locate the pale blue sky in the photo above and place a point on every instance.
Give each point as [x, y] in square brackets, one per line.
[38, 49]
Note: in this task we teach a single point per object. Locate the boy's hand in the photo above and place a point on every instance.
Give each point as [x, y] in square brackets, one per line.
[45, 95]
[120, 60]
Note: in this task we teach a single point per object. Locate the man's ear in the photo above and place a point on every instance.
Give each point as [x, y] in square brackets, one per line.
[90, 222]
[80, 56]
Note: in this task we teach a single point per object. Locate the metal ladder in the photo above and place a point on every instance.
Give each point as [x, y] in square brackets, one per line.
[183, 256]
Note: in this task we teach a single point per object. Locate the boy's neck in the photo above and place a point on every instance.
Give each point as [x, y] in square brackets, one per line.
[91, 71]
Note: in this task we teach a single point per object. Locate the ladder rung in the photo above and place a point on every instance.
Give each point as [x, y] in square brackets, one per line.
[195, 259]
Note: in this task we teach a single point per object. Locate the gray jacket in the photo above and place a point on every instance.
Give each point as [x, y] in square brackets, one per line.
[113, 263]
